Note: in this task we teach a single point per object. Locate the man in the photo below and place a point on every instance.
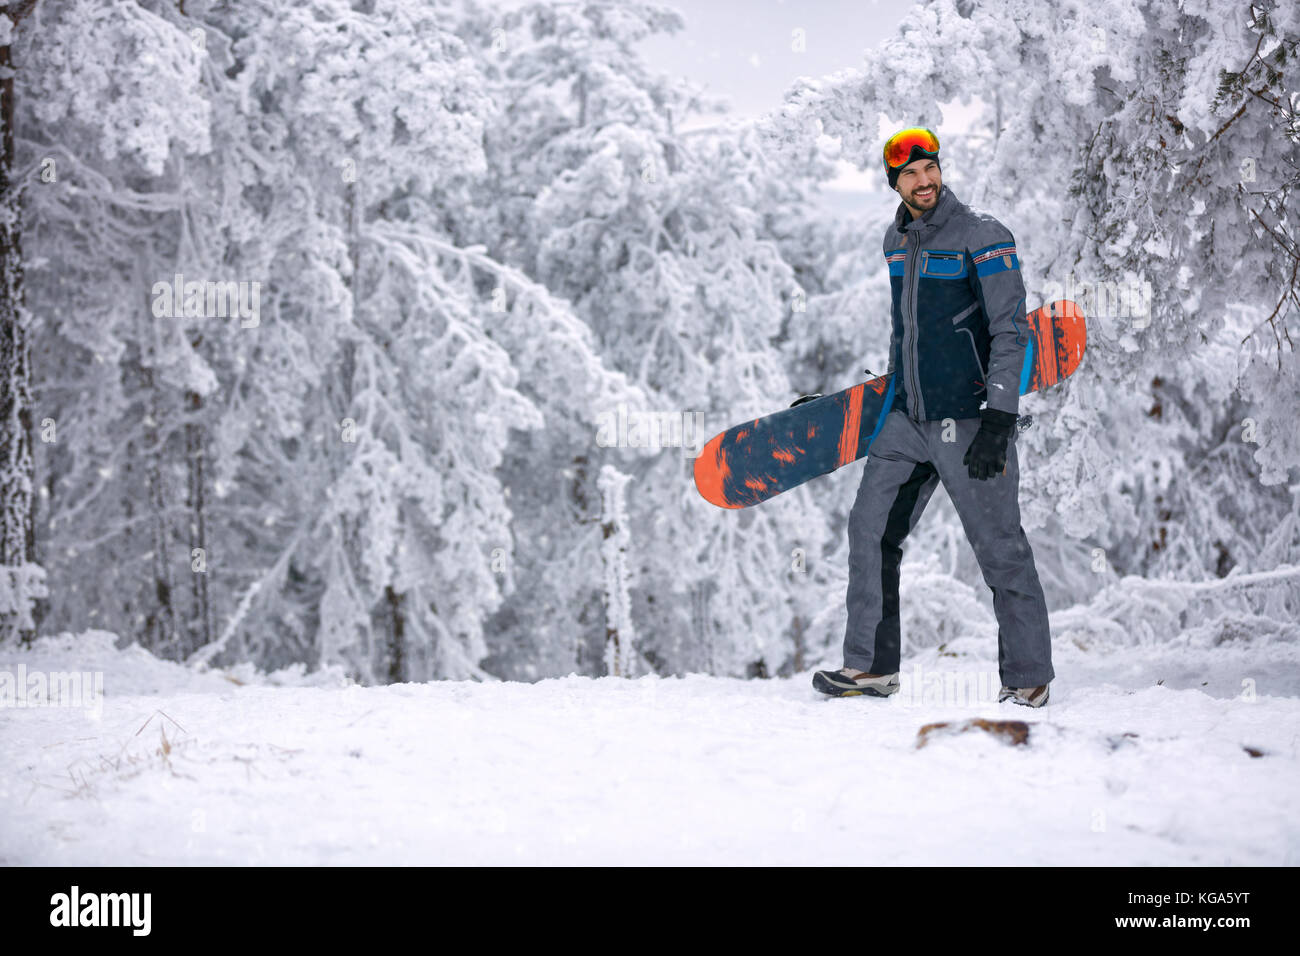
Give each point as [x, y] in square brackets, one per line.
[959, 338]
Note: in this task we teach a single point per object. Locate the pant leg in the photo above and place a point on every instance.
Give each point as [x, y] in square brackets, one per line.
[897, 482]
[990, 514]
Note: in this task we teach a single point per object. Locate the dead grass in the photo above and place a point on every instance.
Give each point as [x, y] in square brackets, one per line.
[176, 753]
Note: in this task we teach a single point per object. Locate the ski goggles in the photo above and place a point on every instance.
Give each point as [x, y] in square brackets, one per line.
[898, 148]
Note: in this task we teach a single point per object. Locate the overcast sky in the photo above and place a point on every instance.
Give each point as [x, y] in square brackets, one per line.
[745, 50]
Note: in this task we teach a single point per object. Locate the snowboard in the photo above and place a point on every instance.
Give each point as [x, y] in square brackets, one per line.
[756, 460]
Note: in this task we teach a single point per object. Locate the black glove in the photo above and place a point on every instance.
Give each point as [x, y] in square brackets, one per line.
[805, 398]
[987, 455]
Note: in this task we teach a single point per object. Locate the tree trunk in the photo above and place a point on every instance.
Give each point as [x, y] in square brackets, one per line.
[396, 636]
[619, 635]
[20, 578]
[798, 627]
[200, 630]
[162, 636]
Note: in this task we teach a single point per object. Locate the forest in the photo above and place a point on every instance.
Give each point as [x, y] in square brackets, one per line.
[333, 331]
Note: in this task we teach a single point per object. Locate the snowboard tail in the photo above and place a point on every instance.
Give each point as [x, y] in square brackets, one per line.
[750, 463]
[754, 461]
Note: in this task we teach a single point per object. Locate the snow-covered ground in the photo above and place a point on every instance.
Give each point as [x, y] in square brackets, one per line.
[176, 767]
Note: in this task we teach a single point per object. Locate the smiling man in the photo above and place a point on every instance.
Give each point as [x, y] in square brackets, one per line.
[958, 343]
[918, 183]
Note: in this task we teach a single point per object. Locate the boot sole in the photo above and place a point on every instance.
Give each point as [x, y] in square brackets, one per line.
[1024, 703]
[824, 686]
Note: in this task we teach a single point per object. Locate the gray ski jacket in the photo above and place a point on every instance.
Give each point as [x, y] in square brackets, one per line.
[959, 331]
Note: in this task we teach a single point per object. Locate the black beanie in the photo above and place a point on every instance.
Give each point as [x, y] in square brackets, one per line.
[917, 153]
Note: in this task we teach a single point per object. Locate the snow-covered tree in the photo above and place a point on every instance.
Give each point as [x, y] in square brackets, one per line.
[1130, 146]
[110, 105]
[340, 448]
[659, 238]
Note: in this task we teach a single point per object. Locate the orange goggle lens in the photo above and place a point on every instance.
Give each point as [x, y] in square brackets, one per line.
[899, 146]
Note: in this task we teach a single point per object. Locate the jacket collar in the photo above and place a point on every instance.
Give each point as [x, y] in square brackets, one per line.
[947, 205]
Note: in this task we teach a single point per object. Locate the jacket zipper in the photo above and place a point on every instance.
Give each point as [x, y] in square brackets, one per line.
[915, 391]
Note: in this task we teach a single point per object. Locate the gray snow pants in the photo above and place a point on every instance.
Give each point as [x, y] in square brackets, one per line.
[906, 462]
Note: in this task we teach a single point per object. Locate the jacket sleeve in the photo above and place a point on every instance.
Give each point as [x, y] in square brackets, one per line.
[1001, 294]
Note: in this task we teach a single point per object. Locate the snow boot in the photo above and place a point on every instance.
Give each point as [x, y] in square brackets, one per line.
[1027, 696]
[848, 682]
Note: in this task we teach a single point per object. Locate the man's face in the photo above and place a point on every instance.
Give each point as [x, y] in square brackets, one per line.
[919, 183]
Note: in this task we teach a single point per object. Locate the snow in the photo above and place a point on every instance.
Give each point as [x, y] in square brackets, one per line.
[694, 770]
